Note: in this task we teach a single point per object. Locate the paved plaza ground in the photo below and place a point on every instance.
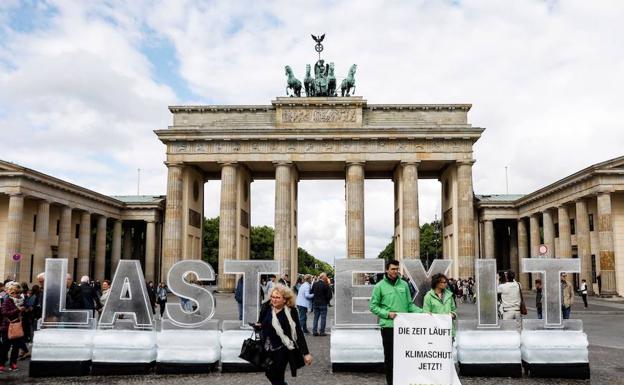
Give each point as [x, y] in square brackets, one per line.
[603, 322]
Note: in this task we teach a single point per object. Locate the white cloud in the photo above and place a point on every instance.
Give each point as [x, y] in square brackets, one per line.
[78, 99]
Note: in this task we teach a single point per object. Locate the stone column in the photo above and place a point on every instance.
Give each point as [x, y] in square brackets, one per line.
[65, 234]
[410, 232]
[513, 251]
[227, 224]
[565, 236]
[583, 243]
[465, 218]
[127, 241]
[294, 242]
[488, 230]
[13, 236]
[100, 249]
[42, 237]
[549, 233]
[282, 249]
[84, 244]
[150, 251]
[116, 246]
[355, 210]
[605, 240]
[535, 235]
[172, 251]
[523, 252]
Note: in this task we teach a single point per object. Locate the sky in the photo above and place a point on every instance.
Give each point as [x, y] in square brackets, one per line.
[84, 84]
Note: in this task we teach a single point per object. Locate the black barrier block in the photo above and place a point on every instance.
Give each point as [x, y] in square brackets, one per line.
[243, 368]
[576, 371]
[171, 368]
[372, 367]
[105, 369]
[59, 368]
[490, 370]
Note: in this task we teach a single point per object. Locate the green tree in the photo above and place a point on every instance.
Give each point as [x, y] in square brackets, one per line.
[261, 245]
[211, 242]
[262, 242]
[430, 243]
[308, 264]
[388, 252]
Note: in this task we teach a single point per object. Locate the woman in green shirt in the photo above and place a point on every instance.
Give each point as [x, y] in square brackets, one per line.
[439, 300]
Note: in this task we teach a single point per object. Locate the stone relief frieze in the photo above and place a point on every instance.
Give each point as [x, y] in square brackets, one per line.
[318, 115]
[322, 146]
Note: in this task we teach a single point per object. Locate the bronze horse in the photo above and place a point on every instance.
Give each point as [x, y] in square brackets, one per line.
[348, 83]
[292, 82]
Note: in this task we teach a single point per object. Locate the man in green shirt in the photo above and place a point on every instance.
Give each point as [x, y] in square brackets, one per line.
[390, 296]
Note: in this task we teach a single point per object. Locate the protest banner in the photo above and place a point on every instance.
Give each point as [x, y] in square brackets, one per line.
[423, 349]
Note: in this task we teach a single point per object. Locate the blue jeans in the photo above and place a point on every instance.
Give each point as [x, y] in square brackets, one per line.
[566, 312]
[539, 313]
[303, 318]
[320, 311]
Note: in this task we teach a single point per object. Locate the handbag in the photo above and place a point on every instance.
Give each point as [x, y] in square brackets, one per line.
[15, 329]
[523, 309]
[253, 352]
[296, 358]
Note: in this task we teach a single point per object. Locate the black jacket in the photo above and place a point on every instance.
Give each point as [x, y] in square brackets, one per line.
[73, 298]
[90, 299]
[322, 293]
[267, 331]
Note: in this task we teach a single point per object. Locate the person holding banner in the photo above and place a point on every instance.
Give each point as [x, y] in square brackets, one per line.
[391, 295]
[439, 300]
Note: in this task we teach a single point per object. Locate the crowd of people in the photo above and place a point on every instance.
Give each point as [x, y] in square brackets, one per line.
[21, 310]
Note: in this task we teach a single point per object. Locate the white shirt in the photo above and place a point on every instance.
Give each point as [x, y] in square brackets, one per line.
[510, 296]
[583, 287]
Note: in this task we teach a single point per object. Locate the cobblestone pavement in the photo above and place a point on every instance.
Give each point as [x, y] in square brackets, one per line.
[606, 358]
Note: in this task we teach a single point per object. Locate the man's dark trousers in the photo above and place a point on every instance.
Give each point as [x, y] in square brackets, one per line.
[320, 312]
[387, 339]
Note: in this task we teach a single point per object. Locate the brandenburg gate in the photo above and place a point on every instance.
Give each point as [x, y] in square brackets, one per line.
[297, 138]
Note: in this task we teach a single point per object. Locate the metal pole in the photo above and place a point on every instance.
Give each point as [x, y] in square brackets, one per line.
[506, 182]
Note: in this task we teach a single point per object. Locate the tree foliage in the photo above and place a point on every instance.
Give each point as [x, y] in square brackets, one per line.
[430, 243]
[261, 247]
[310, 265]
[211, 242]
[262, 242]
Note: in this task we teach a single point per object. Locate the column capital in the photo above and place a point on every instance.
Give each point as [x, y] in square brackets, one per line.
[173, 164]
[465, 162]
[17, 194]
[150, 221]
[277, 163]
[410, 163]
[605, 191]
[224, 164]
